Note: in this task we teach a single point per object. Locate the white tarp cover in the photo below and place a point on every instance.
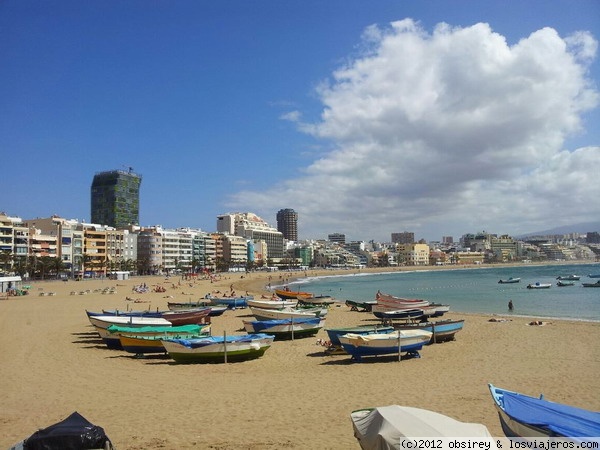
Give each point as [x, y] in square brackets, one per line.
[382, 427]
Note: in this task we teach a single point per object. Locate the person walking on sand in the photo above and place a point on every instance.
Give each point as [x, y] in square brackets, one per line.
[510, 305]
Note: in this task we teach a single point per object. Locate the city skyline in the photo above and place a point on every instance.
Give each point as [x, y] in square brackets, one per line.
[441, 119]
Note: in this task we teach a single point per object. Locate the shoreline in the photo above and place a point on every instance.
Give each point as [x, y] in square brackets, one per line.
[293, 397]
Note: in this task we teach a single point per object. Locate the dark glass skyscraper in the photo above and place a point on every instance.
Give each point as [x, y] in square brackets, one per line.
[116, 198]
[287, 223]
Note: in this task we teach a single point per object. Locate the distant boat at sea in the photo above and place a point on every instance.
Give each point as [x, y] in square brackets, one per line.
[569, 277]
[596, 284]
[509, 280]
[539, 285]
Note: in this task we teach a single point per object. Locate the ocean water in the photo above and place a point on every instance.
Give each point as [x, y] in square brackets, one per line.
[475, 290]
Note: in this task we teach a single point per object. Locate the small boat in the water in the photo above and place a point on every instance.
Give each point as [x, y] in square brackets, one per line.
[539, 285]
[509, 280]
[596, 284]
[569, 277]
[563, 283]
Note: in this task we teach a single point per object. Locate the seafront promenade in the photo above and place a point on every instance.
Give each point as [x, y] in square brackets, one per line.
[293, 397]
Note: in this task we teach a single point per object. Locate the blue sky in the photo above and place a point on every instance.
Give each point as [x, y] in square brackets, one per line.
[367, 118]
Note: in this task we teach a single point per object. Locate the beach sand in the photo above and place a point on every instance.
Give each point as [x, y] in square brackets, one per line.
[293, 397]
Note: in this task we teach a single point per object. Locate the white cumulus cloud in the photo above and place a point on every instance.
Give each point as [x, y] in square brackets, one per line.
[446, 132]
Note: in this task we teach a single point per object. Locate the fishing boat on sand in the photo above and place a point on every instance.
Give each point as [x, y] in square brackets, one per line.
[272, 304]
[385, 426]
[218, 349]
[534, 417]
[335, 333]
[510, 280]
[441, 330]
[317, 300]
[377, 344]
[358, 305]
[287, 313]
[287, 294]
[230, 302]
[151, 342]
[110, 336]
[286, 328]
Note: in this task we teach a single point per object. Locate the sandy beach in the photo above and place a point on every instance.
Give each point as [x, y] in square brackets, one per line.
[293, 397]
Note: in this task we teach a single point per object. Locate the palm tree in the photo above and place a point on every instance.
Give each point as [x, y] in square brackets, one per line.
[6, 260]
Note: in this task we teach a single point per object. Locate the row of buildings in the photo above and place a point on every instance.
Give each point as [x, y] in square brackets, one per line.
[114, 241]
[243, 241]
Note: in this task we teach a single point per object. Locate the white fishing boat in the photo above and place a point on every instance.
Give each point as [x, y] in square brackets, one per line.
[376, 344]
[287, 313]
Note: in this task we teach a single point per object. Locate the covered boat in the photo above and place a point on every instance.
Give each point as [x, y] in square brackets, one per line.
[286, 328]
[525, 416]
[376, 344]
[218, 349]
[384, 427]
[73, 433]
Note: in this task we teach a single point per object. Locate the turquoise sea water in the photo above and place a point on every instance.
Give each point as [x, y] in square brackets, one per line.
[475, 290]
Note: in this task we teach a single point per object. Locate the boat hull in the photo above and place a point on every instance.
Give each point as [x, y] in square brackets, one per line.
[231, 302]
[286, 329]
[528, 417]
[274, 314]
[215, 349]
[441, 331]
[335, 333]
[379, 344]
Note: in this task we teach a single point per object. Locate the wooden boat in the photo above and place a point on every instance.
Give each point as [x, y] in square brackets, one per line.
[110, 336]
[510, 280]
[391, 302]
[286, 294]
[230, 302]
[286, 328]
[335, 333]
[385, 426]
[441, 330]
[273, 314]
[217, 349]
[146, 343]
[563, 283]
[376, 344]
[106, 321]
[317, 300]
[596, 284]
[272, 304]
[399, 314]
[356, 305]
[539, 285]
[175, 306]
[530, 417]
[188, 317]
[569, 277]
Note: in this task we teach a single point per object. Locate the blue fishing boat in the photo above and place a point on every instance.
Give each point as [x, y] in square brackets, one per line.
[377, 344]
[441, 330]
[286, 328]
[335, 333]
[529, 417]
[231, 302]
